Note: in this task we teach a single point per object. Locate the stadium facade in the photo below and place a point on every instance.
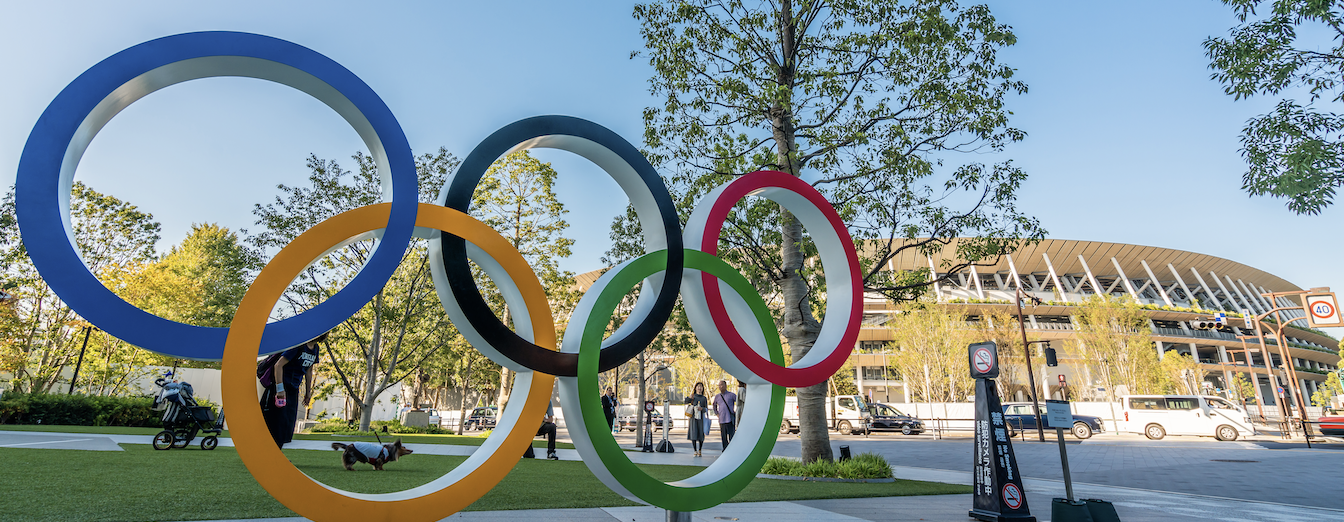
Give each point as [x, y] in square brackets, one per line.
[1180, 286]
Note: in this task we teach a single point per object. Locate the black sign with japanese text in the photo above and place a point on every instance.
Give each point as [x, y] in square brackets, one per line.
[999, 495]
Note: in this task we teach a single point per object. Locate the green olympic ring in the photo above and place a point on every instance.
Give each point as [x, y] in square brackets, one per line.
[733, 470]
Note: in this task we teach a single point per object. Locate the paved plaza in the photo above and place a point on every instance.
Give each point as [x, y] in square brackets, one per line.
[1179, 479]
[1291, 474]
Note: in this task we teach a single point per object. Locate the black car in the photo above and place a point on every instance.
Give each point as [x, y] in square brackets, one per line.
[1019, 416]
[483, 418]
[883, 418]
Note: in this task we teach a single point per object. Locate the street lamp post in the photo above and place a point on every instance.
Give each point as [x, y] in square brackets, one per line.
[1290, 373]
[1031, 375]
[87, 330]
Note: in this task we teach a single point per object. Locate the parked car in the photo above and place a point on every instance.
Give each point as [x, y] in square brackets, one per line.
[1157, 416]
[1332, 423]
[1021, 416]
[483, 418]
[883, 417]
[626, 416]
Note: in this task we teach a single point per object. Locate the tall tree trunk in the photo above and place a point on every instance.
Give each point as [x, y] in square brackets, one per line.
[462, 403]
[505, 374]
[371, 366]
[800, 328]
[639, 406]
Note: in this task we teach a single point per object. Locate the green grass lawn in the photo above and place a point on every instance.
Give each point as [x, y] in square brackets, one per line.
[419, 438]
[191, 484]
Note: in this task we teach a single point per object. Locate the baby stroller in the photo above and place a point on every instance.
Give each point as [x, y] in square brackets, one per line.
[183, 418]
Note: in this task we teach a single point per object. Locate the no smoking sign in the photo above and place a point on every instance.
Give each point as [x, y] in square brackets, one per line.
[1012, 496]
[984, 360]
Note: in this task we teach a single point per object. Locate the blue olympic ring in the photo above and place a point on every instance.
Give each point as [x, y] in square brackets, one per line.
[68, 125]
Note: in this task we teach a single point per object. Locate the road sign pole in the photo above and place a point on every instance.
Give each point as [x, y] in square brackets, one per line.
[1064, 459]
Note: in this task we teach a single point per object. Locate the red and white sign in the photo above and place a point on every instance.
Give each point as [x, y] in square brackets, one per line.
[984, 360]
[1322, 311]
[1012, 496]
[1062, 381]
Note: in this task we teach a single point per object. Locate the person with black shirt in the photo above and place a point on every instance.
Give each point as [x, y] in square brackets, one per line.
[609, 404]
[293, 368]
[548, 429]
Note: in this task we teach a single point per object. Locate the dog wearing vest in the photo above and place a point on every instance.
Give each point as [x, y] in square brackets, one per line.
[371, 453]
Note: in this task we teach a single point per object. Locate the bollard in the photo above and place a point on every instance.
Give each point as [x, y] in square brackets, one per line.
[1101, 510]
[844, 453]
[1064, 510]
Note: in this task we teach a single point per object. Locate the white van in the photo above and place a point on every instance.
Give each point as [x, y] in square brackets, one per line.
[845, 414]
[1157, 416]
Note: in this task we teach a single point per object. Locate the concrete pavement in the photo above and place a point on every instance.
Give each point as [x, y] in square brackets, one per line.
[1196, 466]
[1178, 480]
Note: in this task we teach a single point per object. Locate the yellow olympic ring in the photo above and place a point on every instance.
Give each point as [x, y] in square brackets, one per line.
[315, 500]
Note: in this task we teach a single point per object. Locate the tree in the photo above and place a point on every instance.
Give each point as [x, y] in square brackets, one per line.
[1242, 386]
[1114, 339]
[404, 324]
[1180, 374]
[867, 100]
[1003, 329]
[1331, 388]
[200, 281]
[932, 354]
[1296, 151]
[111, 234]
[516, 197]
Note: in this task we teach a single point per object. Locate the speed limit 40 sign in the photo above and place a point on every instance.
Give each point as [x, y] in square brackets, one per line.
[1322, 311]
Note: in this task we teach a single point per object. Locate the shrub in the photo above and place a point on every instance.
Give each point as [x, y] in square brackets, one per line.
[862, 466]
[76, 410]
[343, 428]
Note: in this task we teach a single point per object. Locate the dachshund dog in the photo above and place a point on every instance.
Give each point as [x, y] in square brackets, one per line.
[371, 453]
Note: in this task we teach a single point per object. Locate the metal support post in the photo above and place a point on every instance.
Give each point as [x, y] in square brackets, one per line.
[1064, 460]
[74, 378]
[1031, 375]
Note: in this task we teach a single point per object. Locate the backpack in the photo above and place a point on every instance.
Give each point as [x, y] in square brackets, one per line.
[266, 369]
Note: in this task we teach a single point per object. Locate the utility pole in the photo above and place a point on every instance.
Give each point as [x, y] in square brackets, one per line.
[1031, 374]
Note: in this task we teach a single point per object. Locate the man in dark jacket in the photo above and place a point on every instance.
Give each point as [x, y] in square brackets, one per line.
[609, 404]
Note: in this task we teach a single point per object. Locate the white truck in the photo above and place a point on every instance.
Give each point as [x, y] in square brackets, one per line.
[844, 413]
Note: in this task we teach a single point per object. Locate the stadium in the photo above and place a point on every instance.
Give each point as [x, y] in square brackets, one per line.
[1174, 286]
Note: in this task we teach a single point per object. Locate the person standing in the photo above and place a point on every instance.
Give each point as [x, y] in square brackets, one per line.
[698, 428]
[609, 404]
[725, 404]
[293, 368]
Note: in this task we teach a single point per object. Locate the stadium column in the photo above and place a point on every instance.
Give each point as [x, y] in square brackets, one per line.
[1151, 277]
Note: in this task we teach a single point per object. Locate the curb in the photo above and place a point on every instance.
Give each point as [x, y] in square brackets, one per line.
[823, 479]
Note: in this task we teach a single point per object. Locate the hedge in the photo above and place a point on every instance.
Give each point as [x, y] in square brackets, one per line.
[862, 466]
[393, 426]
[76, 410]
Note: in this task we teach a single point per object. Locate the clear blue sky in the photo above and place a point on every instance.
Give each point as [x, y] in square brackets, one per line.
[1128, 139]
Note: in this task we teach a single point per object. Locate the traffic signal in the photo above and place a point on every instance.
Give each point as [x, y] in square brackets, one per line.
[1203, 324]
[1048, 352]
[1207, 324]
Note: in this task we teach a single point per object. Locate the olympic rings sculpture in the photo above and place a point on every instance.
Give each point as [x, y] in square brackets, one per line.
[720, 303]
